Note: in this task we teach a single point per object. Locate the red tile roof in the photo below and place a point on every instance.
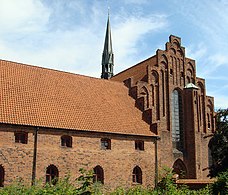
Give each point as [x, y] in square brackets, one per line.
[137, 72]
[35, 96]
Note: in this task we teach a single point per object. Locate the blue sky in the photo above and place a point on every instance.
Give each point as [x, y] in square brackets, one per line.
[69, 35]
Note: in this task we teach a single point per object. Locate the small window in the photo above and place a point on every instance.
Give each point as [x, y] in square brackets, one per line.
[66, 141]
[139, 145]
[171, 72]
[98, 175]
[52, 174]
[105, 144]
[21, 137]
[137, 175]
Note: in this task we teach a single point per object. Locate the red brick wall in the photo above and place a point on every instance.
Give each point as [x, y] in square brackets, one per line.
[151, 85]
[169, 70]
[117, 163]
[16, 158]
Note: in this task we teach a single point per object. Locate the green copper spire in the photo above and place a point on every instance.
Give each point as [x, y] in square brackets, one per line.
[107, 57]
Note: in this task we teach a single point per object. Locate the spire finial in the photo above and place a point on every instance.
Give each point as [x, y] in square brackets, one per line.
[108, 7]
[107, 56]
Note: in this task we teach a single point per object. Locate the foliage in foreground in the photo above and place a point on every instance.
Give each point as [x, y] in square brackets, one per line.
[64, 187]
[219, 144]
[221, 185]
[167, 186]
[83, 185]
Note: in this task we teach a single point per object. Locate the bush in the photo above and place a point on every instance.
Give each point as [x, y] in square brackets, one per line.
[83, 185]
[221, 185]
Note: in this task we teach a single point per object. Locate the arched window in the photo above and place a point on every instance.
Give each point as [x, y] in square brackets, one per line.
[177, 121]
[137, 175]
[52, 174]
[66, 141]
[98, 175]
[180, 168]
[2, 175]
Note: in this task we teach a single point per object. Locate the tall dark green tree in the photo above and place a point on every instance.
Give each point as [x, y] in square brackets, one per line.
[219, 144]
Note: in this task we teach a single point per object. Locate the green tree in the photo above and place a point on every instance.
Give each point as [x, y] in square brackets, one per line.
[219, 144]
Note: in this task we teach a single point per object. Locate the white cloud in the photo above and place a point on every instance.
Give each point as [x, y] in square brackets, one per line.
[220, 101]
[69, 35]
[208, 17]
[130, 32]
[213, 63]
[75, 49]
[33, 42]
[217, 77]
[196, 51]
[66, 51]
[218, 59]
[22, 16]
[207, 62]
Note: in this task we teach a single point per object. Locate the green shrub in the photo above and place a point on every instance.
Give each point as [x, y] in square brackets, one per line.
[84, 185]
[221, 185]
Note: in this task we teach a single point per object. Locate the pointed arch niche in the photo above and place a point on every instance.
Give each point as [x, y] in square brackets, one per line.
[177, 63]
[190, 74]
[165, 77]
[98, 175]
[137, 175]
[210, 117]
[180, 168]
[145, 94]
[163, 73]
[163, 92]
[201, 106]
[155, 94]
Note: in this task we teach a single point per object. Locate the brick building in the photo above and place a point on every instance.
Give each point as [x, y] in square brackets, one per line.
[126, 127]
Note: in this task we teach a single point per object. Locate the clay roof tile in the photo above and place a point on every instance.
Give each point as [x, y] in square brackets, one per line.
[36, 96]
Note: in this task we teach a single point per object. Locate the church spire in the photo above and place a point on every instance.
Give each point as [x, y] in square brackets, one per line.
[107, 57]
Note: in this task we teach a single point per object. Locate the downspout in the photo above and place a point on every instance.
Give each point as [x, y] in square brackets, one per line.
[156, 160]
[34, 156]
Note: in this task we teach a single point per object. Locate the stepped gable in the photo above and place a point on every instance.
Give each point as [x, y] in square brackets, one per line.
[152, 81]
[35, 96]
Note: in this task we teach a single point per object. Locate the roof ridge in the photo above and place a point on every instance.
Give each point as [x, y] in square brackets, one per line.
[59, 71]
